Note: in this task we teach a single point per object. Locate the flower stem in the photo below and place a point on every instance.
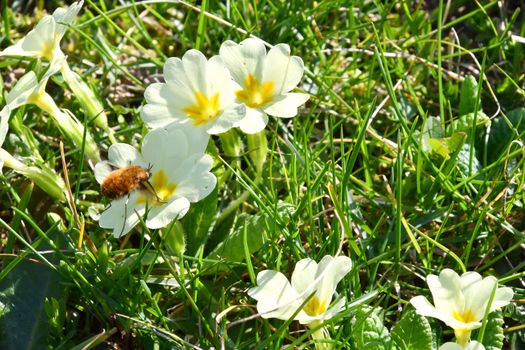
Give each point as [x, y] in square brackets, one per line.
[320, 336]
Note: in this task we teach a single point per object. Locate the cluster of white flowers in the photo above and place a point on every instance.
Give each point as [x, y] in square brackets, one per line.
[199, 98]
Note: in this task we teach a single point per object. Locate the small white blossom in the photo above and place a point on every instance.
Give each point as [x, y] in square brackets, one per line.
[179, 175]
[277, 298]
[265, 79]
[44, 40]
[461, 302]
[197, 91]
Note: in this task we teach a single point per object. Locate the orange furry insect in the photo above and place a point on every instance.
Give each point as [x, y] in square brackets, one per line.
[123, 181]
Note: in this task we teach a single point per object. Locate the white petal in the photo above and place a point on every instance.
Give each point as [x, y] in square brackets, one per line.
[102, 170]
[121, 215]
[224, 122]
[304, 275]
[332, 270]
[502, 297]
[196, 137]
[243, 59]
[65, 16]
[450, 346]
[198, 181]
[16, 50]
[285, 71]
[253, 122]
[161, 216]
[157, 116]
[195, 67]
[4, 123]
[173, 69]
[122, 155]
[41, 38]
[446, 291]
[285, 106]
[477, 296]
[469, 278]
[20, 93]
[219, 79]
[474, 345]
[273, 290]
[156, 93]
[162, 151]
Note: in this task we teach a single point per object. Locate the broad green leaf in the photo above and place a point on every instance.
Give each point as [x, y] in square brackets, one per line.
[198, 220]
[231, 250]
[463, 161]
[468, 95]
[431, 129]
[493, 337]
[468, 122]
[502, 133]
[23, 321]
[369, 332]
[412, 332]
[446, 146]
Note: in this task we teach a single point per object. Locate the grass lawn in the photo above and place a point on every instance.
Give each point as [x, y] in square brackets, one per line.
[164, 178]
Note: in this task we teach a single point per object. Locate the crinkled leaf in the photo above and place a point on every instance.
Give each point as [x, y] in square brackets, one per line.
[412, 332]
[493, 337]
[468, 96]
[369, 332]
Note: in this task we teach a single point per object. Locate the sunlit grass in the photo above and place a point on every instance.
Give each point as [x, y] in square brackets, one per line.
[407, 158]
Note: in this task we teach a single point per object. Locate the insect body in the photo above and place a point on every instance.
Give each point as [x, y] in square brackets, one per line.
[123, 181]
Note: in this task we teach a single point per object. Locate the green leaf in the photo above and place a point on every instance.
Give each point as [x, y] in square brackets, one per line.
[468, 122]
[23, 321]
[412, 332]
[369, 332]
[232, 248]
[198, 220]
[493, 337]
[502, 133]
[468, 95]
[446, 146]
[463, 161]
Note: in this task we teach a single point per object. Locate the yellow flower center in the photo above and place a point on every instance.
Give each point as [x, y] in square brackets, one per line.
[466, 316]
[161, 190]
[254, 93]
[314, 307]
[48, 48]
[463, 334]
[205, 110]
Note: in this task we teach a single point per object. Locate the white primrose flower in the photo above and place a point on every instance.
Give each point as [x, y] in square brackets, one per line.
[196, 91]
[473, 345]
[461, 301]
[29, 90]
[179, 173]
[44, 40]
[277, 298]
[265, 79]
